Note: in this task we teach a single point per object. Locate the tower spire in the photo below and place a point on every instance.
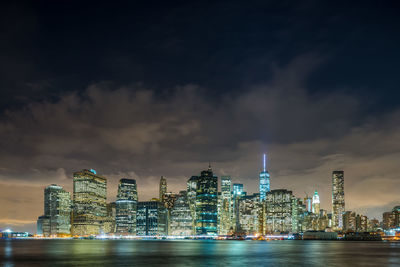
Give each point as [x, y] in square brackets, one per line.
[209, 165]
[264, 162]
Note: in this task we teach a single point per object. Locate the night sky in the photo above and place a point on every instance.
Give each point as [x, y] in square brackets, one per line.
[141, 89]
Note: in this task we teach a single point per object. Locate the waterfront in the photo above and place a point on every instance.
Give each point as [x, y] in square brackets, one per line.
[197, 253]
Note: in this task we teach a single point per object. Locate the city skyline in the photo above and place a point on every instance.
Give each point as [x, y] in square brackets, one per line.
[313, 85]
[200, 210]
[161, 187]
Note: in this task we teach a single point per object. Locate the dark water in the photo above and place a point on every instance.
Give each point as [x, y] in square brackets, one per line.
[197, 253]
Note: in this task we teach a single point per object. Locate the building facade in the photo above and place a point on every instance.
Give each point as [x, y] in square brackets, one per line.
[126, 207]
[249, 211]
[338, 204]
[225, 212]
[349, 221]
[151, 219]
[278, 211]
[89, 204]
[206, 221]
[56, 220]
[181, 223]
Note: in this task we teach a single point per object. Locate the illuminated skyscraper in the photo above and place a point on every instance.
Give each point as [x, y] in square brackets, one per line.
[163, 188]
[191, 196]
[237, 193]
[56, 220]
[151, 219]
[206, 203]
[264, 181]
[225, 214]
[249, 211]
[126, 207]
[181, 217]
[90, 207]
[308, 203]
[338, 207]
[278, 211]
[315, 203]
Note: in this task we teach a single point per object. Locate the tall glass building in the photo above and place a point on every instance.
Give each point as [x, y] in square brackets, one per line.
[237, 193]
[206, 203]
[191, 196]
[151, 219]
[226, 214]
[90, 207]
[264, 181]
[181, 217]
[126, 206]
[56, 220]
[338, 204]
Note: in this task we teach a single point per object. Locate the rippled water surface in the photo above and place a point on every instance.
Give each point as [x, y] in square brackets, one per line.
[197, 253]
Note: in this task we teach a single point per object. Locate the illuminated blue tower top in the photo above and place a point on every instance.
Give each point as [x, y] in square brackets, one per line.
[264, 182]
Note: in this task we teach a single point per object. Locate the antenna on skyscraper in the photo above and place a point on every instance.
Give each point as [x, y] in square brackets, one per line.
[264, 161]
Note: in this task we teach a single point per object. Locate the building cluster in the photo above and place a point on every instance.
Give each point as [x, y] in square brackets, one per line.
[200, 210]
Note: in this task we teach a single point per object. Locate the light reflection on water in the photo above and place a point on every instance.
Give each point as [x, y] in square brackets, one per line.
[197, 253]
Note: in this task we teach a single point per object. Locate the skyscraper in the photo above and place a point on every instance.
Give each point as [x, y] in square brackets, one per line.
[236, 194]
[56, 220]
[163, 188]
[181, 217]
[315, 203]
[264, 181]
[206, 203]
[308, 203]
[151, 219]
[226, 205]
[338, 206]
[249, 211]
[90, 207]
[126, 207]
[278, 211]
[191, 196]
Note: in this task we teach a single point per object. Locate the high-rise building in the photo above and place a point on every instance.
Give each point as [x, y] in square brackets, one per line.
[308, 203]
[237, 194]
[90, 206]
[191, 196]
[163, 188]
[349, 221]
[278, 211]
[264, 181]
[225, 214]
[181, 217]
[151, 219]
[361, 223]
[388, 220]
[249, 211]
[56, 220]
[315, 203]
[338, 204]
[126, 207]
[206, 203]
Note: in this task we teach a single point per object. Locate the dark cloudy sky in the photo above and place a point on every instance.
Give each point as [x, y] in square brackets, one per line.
[141, 89]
